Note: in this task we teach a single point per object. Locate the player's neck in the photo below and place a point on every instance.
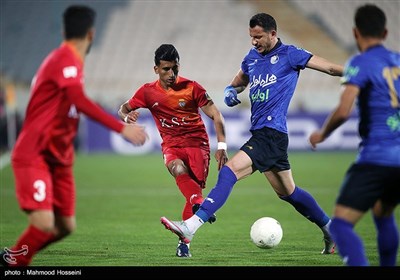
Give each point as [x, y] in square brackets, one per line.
[80, 47]
[368, 43]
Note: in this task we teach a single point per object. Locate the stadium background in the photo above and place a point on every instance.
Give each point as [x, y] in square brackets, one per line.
[212, 38]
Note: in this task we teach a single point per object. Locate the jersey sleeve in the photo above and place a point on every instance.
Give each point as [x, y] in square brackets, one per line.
[69, 71]
[244, 66]
[77, 97]
[200, 95]
[298, 57]
[138, 98]
[355, 72]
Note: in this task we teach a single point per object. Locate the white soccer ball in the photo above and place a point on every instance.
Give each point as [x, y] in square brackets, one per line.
[266, 233]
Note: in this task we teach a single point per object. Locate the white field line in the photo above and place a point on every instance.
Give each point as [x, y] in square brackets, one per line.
[4, 160]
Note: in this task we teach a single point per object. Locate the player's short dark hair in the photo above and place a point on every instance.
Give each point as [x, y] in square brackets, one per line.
[77, 21]
[266, 21]
[166, 52]
[370, 20]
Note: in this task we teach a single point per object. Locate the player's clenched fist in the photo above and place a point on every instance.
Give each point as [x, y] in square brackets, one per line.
[131, 117]
[230, 96]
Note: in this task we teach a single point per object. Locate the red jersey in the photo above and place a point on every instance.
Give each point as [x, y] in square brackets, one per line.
[175, 112]
[52, 116]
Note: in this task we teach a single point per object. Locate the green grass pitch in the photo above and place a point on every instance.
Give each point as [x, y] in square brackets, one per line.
[120, 200]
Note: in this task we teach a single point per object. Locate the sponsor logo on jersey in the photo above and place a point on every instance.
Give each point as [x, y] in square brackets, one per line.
[263, 82]
[175, 121]
[70, 72]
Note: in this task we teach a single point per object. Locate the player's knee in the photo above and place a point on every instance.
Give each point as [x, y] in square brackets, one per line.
[177, 168]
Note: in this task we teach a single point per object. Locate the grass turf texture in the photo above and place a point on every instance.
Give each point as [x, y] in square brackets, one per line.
[120, 200]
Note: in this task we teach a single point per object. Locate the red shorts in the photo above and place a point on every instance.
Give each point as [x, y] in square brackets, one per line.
[196, 159]
[41, 186]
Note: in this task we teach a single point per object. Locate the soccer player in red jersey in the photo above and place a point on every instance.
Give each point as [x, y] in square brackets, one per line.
[42, 159]
[174, 103]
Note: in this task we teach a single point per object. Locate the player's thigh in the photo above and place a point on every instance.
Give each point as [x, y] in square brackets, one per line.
[64, 191]
[170, 154]
[267, 149]
[362, 186]
[391, 194]
[33, 186]
[175, 159]
[199, 162]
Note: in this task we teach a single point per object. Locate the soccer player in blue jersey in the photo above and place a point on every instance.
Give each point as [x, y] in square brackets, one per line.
[372, 80]
[271, 70]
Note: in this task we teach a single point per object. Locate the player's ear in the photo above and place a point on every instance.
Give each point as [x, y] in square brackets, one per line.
[91, 34]
[355, 33]
[156, 69]
[384, 35]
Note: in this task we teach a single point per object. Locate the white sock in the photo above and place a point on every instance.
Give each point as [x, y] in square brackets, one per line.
[194, 223]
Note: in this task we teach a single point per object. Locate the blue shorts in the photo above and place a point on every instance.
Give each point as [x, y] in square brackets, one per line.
[364, 184]
[267, 149]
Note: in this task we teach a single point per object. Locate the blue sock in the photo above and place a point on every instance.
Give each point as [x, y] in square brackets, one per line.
[350, 246]
[388, 240]
[218, 195]
[306, 205]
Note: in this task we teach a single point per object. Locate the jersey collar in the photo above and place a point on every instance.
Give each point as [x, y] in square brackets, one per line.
[73, 49]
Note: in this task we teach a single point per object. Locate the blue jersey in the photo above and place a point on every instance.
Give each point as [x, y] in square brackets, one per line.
[273, 79]
[376, 72]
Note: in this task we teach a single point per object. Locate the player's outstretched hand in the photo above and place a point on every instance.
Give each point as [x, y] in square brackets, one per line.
[315, 138]
[136, 134]
[231, 98]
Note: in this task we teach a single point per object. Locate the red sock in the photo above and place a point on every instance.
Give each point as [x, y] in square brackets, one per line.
[30, 242]
[192, 193]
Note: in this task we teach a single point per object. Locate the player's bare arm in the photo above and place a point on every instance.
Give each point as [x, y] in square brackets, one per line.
[338, 116]
[323, 65]
[219, 124]
[240, 81]
[126, 113]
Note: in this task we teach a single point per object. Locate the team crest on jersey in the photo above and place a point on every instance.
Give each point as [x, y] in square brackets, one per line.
[274, 59]
[182, 103]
